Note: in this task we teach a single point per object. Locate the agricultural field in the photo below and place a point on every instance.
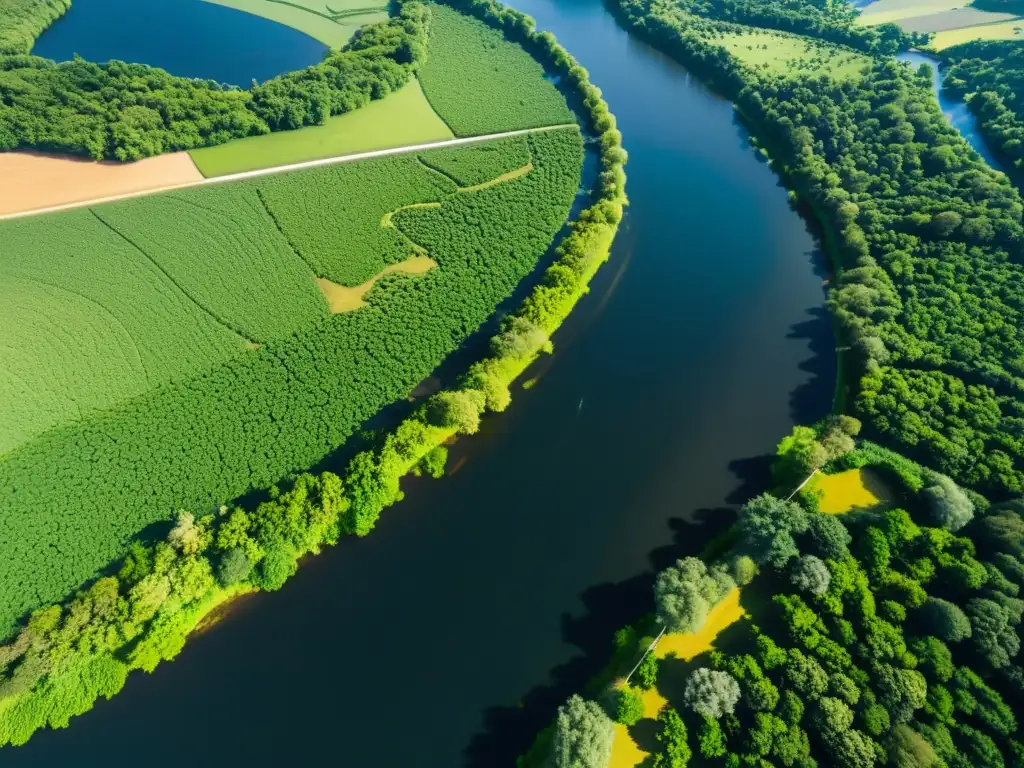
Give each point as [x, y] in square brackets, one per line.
[402, 118]
[475, 99]
[780, 53]
[960, 19]
[46, 181]
[332, 23]
[894, 11]
[1006, 30]
[179, 350]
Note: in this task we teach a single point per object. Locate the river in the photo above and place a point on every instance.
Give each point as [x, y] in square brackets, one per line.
[955, 109]
[448, 636]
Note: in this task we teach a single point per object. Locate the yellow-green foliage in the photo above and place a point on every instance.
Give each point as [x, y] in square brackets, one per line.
[22, 21]
[853, 489]
[83, 490]
[784, 54]
[478, 82]
[402, 118]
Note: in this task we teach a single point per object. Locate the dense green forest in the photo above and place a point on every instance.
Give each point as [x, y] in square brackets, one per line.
[928, 240]
[22, 21]
[990, 75]
[120, 111]
[886, 637]
[891, 636]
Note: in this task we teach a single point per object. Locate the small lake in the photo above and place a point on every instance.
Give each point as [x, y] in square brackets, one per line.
[190, 38]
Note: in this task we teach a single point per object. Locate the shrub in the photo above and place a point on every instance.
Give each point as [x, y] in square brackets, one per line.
[712, 693]
[629, 706]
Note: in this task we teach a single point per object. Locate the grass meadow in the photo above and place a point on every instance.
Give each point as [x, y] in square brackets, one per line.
[782, 54]
[402, 118]
[332, 23]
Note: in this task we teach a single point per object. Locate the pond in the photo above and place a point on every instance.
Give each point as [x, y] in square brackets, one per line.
[190, 38]
[449, 635]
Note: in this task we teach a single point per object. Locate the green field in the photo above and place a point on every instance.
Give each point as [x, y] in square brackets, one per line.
[1006, 30]
[784, 54]
[402, 118]
[480, 83]
[332, 23]
[152, 310]
[884, 11]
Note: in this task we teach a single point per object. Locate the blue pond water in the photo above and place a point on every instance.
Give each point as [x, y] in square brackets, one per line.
[190, 38]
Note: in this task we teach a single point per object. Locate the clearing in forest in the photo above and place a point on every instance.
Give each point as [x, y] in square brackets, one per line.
[784, 54]
[29, 180]
[885, 11]
[854, 489]
[332, 22]
[402, 118]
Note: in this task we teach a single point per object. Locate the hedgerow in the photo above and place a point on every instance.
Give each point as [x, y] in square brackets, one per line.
[85, 489]
[472, 97]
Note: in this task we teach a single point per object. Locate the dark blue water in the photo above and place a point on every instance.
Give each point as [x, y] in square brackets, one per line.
[189, 38]
[955, 109]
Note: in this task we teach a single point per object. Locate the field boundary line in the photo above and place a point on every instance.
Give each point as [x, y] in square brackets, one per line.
[288, 168]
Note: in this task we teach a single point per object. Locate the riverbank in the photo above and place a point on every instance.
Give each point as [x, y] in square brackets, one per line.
[318, 509]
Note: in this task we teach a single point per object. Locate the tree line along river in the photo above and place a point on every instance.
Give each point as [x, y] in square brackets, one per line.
[449, 635]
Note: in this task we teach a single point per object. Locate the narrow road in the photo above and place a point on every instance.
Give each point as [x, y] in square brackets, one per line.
[285, 169]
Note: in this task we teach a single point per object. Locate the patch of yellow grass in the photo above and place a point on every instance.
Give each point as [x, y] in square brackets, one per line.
[849, 490]
[517, 173]
[341, 298]
[692, 644]
[387, 219]
[884, 11]
[626, 753]
[1007, 30]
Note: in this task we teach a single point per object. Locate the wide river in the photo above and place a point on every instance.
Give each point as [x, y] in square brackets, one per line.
[449, 635]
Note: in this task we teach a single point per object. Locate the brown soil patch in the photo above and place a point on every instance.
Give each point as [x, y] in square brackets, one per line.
[341, 298]
[31, 180]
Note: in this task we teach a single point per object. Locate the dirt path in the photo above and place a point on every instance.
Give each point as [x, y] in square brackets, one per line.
[55, 191]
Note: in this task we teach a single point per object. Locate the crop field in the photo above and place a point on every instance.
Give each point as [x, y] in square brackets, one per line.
[400, 119]
[480, 83]
[476, 165]
[177, 351]
[783, 54]
[332, 22]
[885, 11]
[1007, 30]
[955, 19]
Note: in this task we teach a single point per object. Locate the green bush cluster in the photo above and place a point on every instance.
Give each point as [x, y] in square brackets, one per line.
[22, 21]
[990, 75]
[86, 488]
[479, 82]
[125, 111]
[471, 165]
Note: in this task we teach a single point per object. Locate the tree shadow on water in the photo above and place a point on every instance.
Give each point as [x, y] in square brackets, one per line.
[509, 731]
[811, 399]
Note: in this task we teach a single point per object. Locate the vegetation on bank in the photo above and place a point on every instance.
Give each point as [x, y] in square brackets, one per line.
[66, 655]
[883, 638]
[22, 21]
[990, 76]
[85, 487]
[128, 111]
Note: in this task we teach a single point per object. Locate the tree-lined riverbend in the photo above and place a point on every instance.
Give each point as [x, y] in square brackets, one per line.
[445, 638]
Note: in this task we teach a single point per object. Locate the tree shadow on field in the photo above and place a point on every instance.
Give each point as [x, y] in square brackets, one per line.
[509, 731]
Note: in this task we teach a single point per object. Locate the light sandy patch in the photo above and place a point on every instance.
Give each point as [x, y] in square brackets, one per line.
[341, 298]
[386, 219]
[30, 180]
[689, 645]
[517, 173]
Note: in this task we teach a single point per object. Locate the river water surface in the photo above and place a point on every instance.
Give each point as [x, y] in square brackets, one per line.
[448, 636]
